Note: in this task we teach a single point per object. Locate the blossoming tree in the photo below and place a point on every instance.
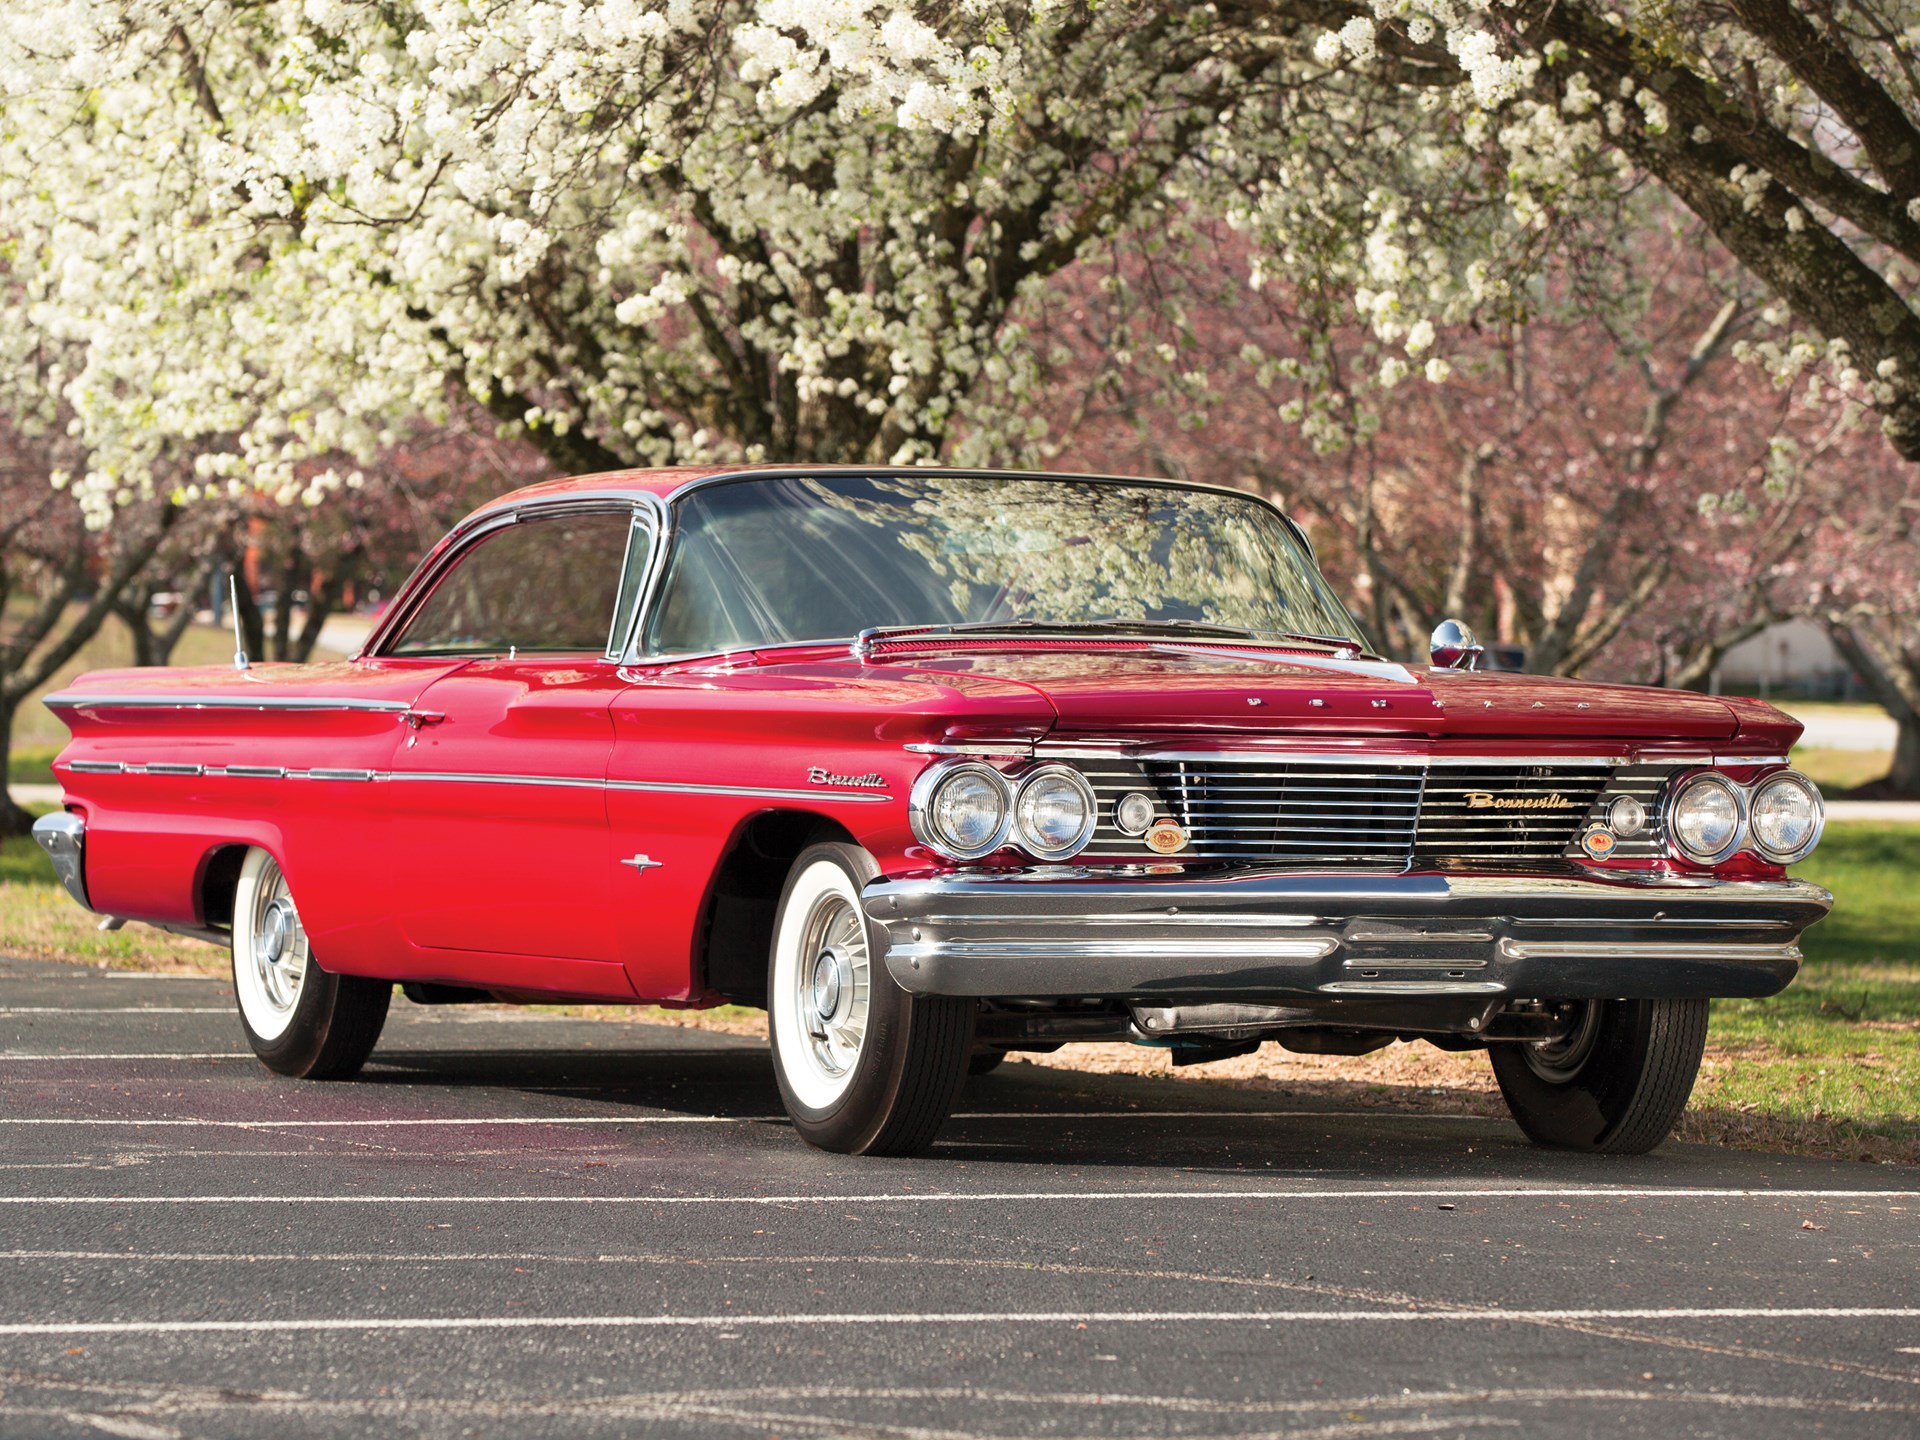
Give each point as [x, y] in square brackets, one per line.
[795, 228]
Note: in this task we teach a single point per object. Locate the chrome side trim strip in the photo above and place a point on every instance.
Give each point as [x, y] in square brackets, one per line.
[452, 777]
[455, 777]
[86, 700]
[664, 787]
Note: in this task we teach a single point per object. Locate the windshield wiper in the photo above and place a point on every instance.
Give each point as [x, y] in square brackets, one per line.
[1340, 645]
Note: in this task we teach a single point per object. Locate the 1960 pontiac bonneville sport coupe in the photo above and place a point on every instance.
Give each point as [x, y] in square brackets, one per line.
[933, 765]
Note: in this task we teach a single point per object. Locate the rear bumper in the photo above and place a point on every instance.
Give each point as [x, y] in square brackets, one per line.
[64, 837]
[1250, 933]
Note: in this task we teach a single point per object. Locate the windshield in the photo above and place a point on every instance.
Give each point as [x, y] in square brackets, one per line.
[779, 559]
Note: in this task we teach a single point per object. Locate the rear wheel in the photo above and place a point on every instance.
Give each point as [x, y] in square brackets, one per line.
[1615, 1083]
[864, 1068]
[300, 1020]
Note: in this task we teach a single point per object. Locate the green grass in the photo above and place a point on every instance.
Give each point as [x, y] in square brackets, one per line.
[1832, 1066]
[31, 766]
[1864, 708]
[38, 920]
[1838, 771]
[1876, 920]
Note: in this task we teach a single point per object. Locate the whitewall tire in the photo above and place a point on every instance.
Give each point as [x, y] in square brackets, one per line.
[299, 1018]
[864, 1068]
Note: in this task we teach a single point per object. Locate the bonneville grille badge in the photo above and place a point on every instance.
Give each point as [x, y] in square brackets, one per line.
[1486, 800]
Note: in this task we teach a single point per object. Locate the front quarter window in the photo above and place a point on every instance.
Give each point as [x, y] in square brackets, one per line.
[563, 584]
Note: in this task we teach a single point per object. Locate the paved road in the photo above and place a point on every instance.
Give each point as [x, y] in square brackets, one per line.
[537, 1226]
[1829, 729]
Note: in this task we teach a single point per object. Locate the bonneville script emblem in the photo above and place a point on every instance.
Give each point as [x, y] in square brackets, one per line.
[872, 780]
[1483, 800]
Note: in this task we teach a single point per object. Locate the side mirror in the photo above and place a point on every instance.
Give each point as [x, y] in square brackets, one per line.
[1453, 646]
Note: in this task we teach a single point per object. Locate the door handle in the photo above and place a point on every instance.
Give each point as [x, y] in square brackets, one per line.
[417, 718]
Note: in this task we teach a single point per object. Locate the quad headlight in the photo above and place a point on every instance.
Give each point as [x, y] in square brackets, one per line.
[1787, 814]
[963, 811]
[1709, 818]
[967, 810]
[1054, 813]
[1780, 817]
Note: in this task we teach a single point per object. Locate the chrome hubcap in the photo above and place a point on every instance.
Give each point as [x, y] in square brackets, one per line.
[831, 974]
[275, 930]
[279, 942]
[834, 992]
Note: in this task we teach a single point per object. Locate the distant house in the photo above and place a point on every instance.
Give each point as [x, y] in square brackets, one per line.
[1794, 657]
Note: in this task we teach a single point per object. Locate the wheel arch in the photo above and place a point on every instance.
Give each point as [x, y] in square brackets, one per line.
[735, 930]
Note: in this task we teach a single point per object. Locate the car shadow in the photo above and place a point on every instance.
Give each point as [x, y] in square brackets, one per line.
[1027, 1116]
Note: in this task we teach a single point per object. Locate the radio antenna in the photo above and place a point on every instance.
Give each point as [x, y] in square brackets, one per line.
[233, 604]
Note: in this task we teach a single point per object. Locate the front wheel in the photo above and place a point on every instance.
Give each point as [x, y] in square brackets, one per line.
[1615, 1083]
[300, 1020]
[864, 1068]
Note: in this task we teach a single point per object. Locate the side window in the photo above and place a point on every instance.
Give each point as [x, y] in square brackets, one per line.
[568, 583]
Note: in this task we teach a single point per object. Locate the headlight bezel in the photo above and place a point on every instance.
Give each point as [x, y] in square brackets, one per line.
[1089, 816]
[1812, 791]
[1741, 831]
[926, 789]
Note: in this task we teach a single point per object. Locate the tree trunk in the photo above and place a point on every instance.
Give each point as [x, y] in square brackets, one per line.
[1893, 677]
[282, 637]
[1904, 777]
[252, 627]
[13, 819]
[323, 599]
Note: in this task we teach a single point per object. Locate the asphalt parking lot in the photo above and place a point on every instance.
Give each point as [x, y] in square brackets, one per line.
[522, 1225]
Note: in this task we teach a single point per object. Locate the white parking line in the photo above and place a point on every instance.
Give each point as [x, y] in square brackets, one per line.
[148, 1055]
[966, 1197]
[978, 1317]
[399, 1121]
[116, 1010]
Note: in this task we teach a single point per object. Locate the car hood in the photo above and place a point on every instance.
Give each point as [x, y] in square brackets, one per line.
[1173, 689]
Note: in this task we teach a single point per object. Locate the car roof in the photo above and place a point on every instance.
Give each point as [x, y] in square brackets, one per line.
[666, 481]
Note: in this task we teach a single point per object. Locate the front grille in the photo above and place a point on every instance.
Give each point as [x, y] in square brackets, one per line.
[1648, 785]
[1370, 814]
[1348, 813]
[1505, 814]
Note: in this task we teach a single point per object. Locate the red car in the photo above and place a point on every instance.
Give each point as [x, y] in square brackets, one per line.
[934, 765]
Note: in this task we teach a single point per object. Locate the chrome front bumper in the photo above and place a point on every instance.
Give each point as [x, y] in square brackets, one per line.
[1250, 933]
[64, 837]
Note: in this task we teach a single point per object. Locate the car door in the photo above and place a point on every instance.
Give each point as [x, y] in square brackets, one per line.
[498, 788]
